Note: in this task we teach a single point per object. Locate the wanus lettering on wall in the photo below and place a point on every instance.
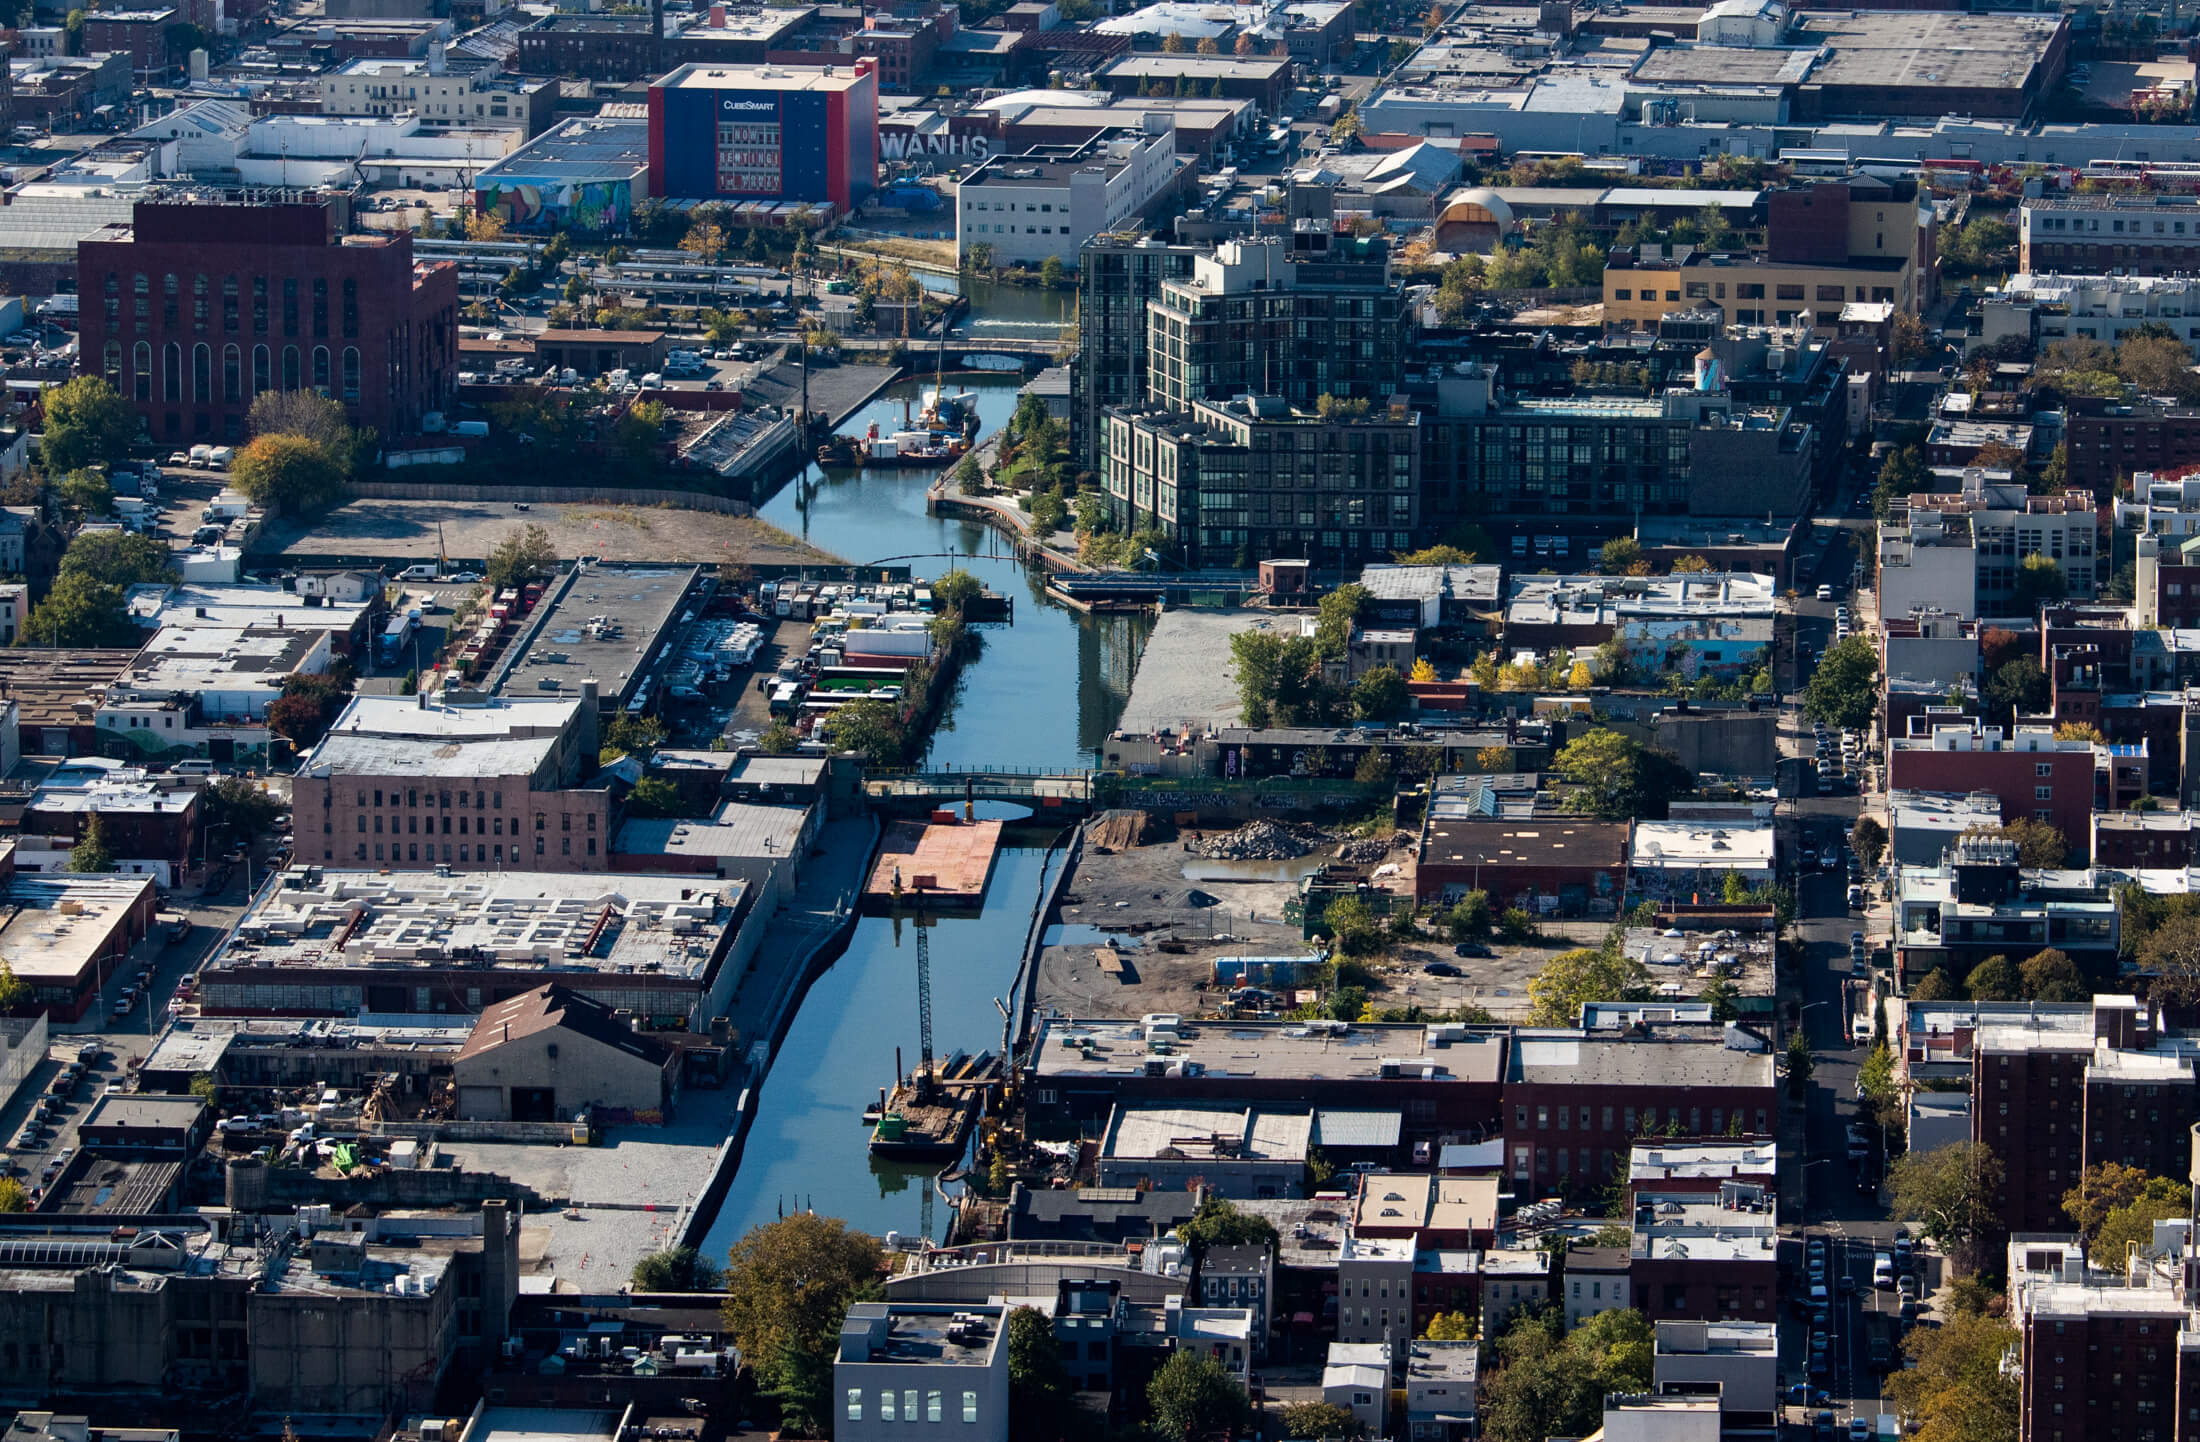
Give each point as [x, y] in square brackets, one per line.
[902, 145]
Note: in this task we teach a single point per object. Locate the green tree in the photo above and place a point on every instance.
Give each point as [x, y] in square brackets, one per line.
[80, 613]
[1469, 917]
[1937, 985]
[2132, 1225]
[870, 728]
[1994, 979]
[2101, 1189]
[1451, 1327]
[1352, 923]
[1320, 1419]
[1617, 778]
[1571, 978]
[636, 736]
[788, 1286]
[287, 472]
[1869, 838]
[1620, 556]
[1881, 1095]
[1337, 613]
[2052, 976]
[2040, 581]
[87, 421]
[1799, 1062]
[1958, 1389]
[86, 495]
[1844, 690]
[1218, 1224]
[2015, 688]
[653, 796]
[1051, 273]
[1192, 1396]
[525, 554]
[1038, 1384]
[240, 806]
[319, 419]
[1948, 1192]
[117, 558]
[90, 854]
[779, 739]
[14, 991]
[1725, 998]
[802, 1389]
[956, 590]
[12, 1196]
[675, 1269]
[1379, 695]
[1547, 1386]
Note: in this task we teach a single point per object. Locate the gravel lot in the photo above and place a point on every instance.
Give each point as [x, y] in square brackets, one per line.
[468, 530]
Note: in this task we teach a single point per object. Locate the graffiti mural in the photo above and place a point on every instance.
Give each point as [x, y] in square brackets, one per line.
[592, 207]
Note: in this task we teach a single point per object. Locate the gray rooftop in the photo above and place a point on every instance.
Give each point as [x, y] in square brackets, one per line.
[603, 626]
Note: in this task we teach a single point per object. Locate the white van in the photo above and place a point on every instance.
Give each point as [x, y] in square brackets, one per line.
[193, 768]
[1883, 1271]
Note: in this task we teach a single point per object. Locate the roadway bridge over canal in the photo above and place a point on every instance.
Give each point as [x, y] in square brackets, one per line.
[932, 790]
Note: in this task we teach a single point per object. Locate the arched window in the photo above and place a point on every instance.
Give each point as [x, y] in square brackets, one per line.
[202, 373]
[263, 373]
[351, 375]
[291, 381]
[232, 374]
[141, 365]
[320, 369]
[171, 372]
[114, 364]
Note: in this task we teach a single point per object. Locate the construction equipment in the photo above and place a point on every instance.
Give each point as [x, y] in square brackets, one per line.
[923, 1078]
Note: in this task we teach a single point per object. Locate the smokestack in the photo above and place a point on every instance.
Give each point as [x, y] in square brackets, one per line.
[717, 17]
[499, 1273]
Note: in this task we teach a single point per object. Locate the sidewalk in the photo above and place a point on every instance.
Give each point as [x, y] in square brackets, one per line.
[823, 903]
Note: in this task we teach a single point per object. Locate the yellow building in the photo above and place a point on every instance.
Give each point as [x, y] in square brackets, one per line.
[1750, 290]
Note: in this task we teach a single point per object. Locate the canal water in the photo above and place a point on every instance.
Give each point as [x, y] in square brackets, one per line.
[1044, 692]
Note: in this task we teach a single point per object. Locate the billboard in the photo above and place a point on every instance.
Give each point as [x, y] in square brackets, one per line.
[747, 144]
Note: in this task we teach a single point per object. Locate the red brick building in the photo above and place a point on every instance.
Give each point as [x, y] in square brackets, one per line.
[1575, 1107]
[2110, 440]
[140, 34]
[1542, 864]
[196, 307]
[2033, 775]
[2148, 840]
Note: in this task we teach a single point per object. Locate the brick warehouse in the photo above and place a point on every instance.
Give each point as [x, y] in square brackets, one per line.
[197, 306]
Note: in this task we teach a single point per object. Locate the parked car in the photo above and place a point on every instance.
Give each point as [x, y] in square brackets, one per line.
[1441, 968]
[1825, 593]
[1472, 948]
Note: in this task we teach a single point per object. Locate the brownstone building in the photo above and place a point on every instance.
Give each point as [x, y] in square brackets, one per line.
[195, 307]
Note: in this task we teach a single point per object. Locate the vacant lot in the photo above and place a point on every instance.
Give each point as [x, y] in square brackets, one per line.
[469, 530]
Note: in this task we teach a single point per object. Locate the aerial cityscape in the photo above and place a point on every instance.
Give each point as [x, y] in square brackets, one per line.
[1081, 721]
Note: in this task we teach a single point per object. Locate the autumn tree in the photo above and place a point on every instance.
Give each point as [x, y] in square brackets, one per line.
[87, 421]
[788, 1286]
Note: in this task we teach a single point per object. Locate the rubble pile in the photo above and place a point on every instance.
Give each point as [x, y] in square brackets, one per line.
[1260, 841]
[1370, 849]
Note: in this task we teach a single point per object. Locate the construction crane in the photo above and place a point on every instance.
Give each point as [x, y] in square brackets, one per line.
[923, 1079]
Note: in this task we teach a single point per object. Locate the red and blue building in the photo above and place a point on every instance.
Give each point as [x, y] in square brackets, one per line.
[765, 133]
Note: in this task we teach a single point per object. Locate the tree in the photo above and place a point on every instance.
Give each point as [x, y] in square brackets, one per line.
[675, 1269]
[2016, 687]
[1548, 1386]
[2101, 1189]
[87, 421]
[802, 1390]
[81, 614]
[2080, 731]
[1218, 1224]
[788, 1285]
[1192, 1396]
[1572, 978]
[2052, 976]
[1616, 777]
[2169, 956]
[1379, 695]
[706, 238]
[1869, 838]
[636, 736]
[653, 796]
[779, 739]
[1470, 917]
[117, 558]
[525, 554]
[14, 991]
[870, 728]
[12, 1196]
[1051, 273]
[1450, 1327]
[1844, 690]
[86, 494]
[1724, 997]
[1038, 1385]
[287, 472]
[1958, 1391]
[2040, 581]
[2039, 845]
[1320, 1419]
[1799, 1062]
[1172, 43]
[238, 804]
[2132, 1225]
[2158, 366]
[1620, 556]
[1948, 1192]
[956, 590]
[1244, 44]
[90, 854]
[1336, 615]
[1994, 979]
[1937, 985]
[316, 417]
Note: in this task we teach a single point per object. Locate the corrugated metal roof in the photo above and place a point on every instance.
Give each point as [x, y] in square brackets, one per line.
[1357, 1129]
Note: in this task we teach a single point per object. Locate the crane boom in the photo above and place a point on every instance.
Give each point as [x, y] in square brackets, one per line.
[924, 999]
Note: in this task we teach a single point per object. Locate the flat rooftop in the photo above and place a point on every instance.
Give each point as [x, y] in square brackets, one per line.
[120, 792]
[57, 923]
[514, 920]
[1941, 50]
[1175, 687]
[194, 657]
[1143, 1133]
[1394, 1200]
[1552, 841]
[542, 1424]
[734, 829]
[1582, 1060]
[235, 607]
[1700, 1161]
[1072, 1048]
[143, 1111]
[604, 626]
[577, 149]
[198, 1044]
[784, 78]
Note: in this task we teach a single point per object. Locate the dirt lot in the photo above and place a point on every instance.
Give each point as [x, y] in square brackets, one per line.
[468, 530]
[1148, 886]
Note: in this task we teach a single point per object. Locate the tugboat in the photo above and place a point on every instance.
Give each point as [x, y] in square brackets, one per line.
[911, 448]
